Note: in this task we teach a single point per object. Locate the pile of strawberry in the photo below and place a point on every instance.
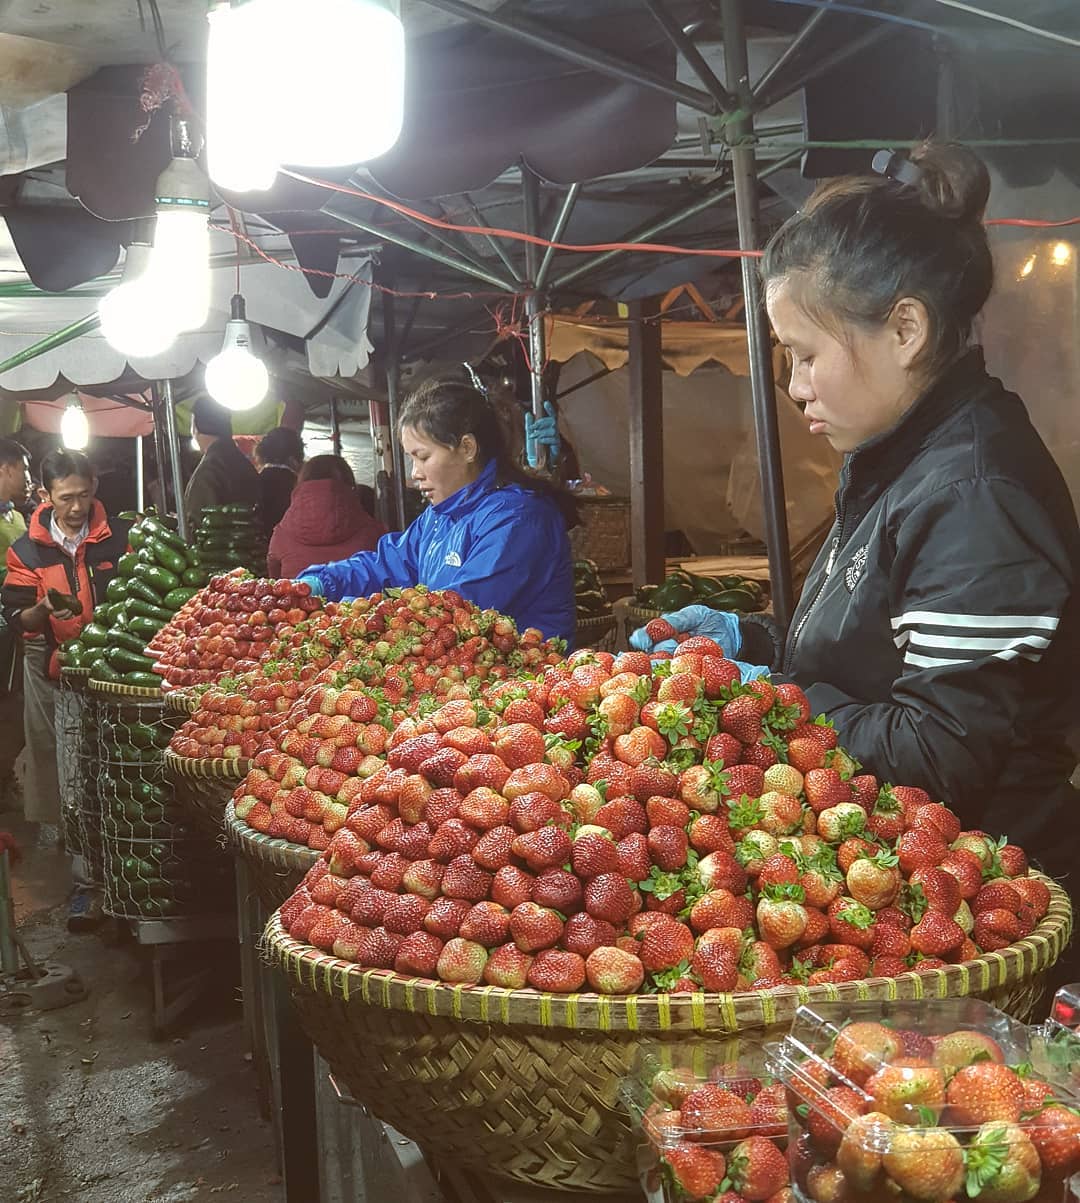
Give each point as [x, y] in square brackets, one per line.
[409, 644]
[635, 823]
[719, 1139]
[227, 627]
[894, 1113]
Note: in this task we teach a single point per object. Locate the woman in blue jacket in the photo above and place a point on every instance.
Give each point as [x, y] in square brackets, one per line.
[491, 532]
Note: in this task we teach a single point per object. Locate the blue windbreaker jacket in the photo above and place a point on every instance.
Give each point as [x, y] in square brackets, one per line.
[504, 548]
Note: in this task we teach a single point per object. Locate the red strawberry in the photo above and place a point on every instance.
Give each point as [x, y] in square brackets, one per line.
[1012, 860]
[746, 779]
[484, 770]
[825, 788]
[492, 851]
[716, 967]
[535, 927]
[666, 945]
[418, 955]
[484, 809]
[1055, 1133]
[464, 878]
[668, 847]
[696, 1169]
[711, 1111]
[983, 1092]
[609, 897]
[723, 748]
[710, 833]
[920, 848]
[816, 930]
[940, 889]
[593, 852]
[453, 838]
[851, 850]
[759, 962]
[864, 790]
[894, 917]
[742, 717]
[462, 961]
[850, 922]
[861, 1048]
[829, 1116]
[614, 971]
[511, 886]
[778, 869]
[1034, 892]
[965, 867]
[805, 754]
[389, 873]
[621, 816]
[661, 811]
[721, 870]
[584, 934]
[559, 889]
[507, 966]
[556, 971]
[903, 1086]
[635, 747]
[781, 917]
[936, 935]
[487, 923]
[531, 811]
[957, 1049]
[632, 854]
[519, 744]
[889, 941]
[997, 929]
[768, 1111]
[542, 849]
[940, 818]
[721, 908]
[757, 1168]
[521, 710]
[405, 914]
[659, 630]
[997, 895]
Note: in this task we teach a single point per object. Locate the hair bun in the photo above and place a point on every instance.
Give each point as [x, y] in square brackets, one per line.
[954, 181]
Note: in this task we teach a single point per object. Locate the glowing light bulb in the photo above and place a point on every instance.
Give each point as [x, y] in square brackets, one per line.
[74, 428]
[1028, 268]
[129, 313]
[235, 377]
[179, 269]
[238, 151]
[1061, 254]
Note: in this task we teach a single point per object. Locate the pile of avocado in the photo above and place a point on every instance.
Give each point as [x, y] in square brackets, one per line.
[682, 588]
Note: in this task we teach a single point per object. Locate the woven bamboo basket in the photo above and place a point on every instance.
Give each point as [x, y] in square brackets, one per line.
[75, 678]
[204, 788]
[179, 702]
[603, 534]
[117, 689]
[276, 866]
[525, 1085]
[598, 632]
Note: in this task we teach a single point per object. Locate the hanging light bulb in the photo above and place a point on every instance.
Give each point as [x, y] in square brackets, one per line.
[129, 313]
[238, 153]
[179, 270]
[328, 114]
[74, 427]
[235, 377]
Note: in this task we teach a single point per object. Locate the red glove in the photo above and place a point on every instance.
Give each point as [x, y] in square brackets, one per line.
[8, 841]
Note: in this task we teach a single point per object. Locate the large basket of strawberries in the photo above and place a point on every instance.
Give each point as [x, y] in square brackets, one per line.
[276, 866]
[204, 787]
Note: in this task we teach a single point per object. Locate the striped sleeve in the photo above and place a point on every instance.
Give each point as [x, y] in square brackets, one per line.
[979, 584]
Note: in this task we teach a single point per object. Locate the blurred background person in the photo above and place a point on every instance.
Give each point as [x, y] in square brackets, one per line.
[325, 521]
[279, 455]
[224, 475]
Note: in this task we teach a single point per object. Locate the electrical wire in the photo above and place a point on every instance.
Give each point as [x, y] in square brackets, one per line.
[1036, 30]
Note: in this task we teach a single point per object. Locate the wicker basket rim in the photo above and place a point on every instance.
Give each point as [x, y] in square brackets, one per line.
[119, 689]
[601, 619]
[221, 768]
[81, 674]
[319, 973]
[179, 702]
[266, 849]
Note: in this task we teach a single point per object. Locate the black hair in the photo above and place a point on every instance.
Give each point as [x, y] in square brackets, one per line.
[280, 445]
[60, 463]
[12, 452]
[862, 243]
[328, 467]
[210, 418]
[445, 411]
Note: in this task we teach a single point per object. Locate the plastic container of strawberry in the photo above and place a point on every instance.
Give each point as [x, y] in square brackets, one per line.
[935, 1100]
[708, 1119]
[1058, 1039]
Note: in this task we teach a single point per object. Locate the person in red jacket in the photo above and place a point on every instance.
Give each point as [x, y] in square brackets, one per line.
[325, 521]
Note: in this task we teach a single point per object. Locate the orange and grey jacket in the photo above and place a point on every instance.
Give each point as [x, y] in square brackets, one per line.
[35, 564]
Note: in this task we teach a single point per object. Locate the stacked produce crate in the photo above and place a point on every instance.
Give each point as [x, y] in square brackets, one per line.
[229, 536]
[155, 865]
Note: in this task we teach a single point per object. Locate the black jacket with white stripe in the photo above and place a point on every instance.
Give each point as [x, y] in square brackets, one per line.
[940, 628]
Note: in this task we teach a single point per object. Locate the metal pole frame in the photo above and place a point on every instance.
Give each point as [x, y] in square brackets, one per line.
[390, 353]
[569, 201]
[172, 438]
[762, 386]
[790, 51]
[763, 99]
[564, 46]
[161, 453]
[335, 210]
[695, 60]
[714, 195]
[534, 301]
[494, 243]
[140, 474]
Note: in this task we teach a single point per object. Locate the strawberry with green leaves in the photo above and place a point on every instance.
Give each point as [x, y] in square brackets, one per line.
[851, 922]
[984, 1092]
[781, 916]
[703, 787]
[874, 880]
[666, 945]
[757, 1169]
[841, 822]
[742, 717]
[696, 1170]
[1002, 1165]
[926, 1163]
[908, 1090]
[1054, 1130]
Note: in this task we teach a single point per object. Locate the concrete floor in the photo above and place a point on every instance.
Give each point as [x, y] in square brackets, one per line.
[92, 1108]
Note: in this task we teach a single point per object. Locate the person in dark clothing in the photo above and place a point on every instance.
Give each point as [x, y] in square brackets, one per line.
[326, 520]
[939, 629]
[278, 456]
[224, 475]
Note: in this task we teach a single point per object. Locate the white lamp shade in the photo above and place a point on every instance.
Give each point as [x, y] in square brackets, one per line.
[238, 154]
[74, 428]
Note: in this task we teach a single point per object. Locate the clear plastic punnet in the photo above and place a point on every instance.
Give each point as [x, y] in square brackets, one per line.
[709, 1120]
[936, 1100]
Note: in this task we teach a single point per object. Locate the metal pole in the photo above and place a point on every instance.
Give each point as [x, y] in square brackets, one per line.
[762, 386]
[713, 196]
[160, 450]
[336, 209]
[140, 476]
[51, 341]
[693, 56]
[560, 226]
[534, 300]
[790, 50]
[172, 439]
[335, 426]
[820, 67]
[9, 958]
[584, 55]
[393, 401]
[494, 243]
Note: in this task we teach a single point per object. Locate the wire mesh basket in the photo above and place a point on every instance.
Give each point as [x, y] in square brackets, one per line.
[156, 866]
[76, 757]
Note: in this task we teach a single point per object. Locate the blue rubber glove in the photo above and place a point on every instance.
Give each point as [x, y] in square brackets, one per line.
[541, 432]
[719, 625]
[317, 587]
